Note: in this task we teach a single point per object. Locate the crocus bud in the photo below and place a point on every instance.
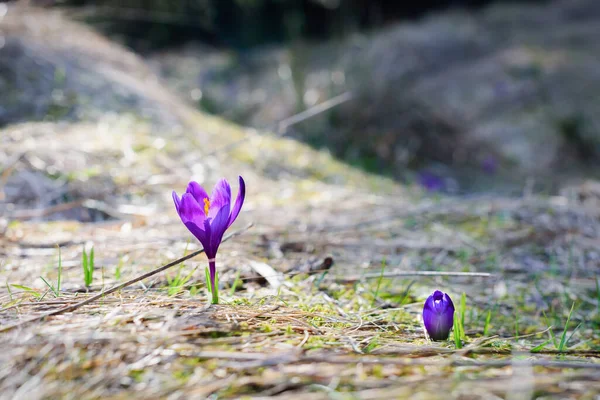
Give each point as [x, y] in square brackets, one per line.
[438, 315]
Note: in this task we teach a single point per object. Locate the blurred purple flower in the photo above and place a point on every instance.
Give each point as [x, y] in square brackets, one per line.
[489, 165]
[438, 315]
[431, 182]
[209, 217]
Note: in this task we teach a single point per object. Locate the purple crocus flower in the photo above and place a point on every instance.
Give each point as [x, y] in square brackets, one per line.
[438, 315]
[208, 218]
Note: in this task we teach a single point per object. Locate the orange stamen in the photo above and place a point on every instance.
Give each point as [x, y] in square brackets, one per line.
[206, 206]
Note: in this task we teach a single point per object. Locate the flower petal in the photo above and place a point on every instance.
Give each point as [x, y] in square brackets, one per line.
[218, 227]
[429, 306]
[198, 192]
[176, 200]
[438, 302]
[199, 233]
[221, 196]
[449, 303]
[209, 248]
[190, 210]
[438, 295]
[239, 201]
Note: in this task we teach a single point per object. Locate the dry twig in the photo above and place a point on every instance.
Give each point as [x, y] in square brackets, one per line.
[74, 307]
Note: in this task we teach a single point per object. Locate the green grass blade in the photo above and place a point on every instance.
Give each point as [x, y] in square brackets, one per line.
[84, 265]
[541, 346]
[29, 290]
[43, 295]
[550, 331]
[208, 285]
[563, 337]
[463, 308]
[457, 331]
[572, 333]
[87, 262]
[235, 284]
[486, 327]
[188, 277]
[52, 288]
[91, 265]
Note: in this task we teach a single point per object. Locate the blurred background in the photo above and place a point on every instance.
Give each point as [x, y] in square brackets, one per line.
[458, 96]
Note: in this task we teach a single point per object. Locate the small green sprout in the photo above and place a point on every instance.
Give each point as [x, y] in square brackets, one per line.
[488, 319]
[87, 263]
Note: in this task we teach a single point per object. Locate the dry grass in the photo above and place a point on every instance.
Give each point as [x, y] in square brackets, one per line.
[350, 333]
